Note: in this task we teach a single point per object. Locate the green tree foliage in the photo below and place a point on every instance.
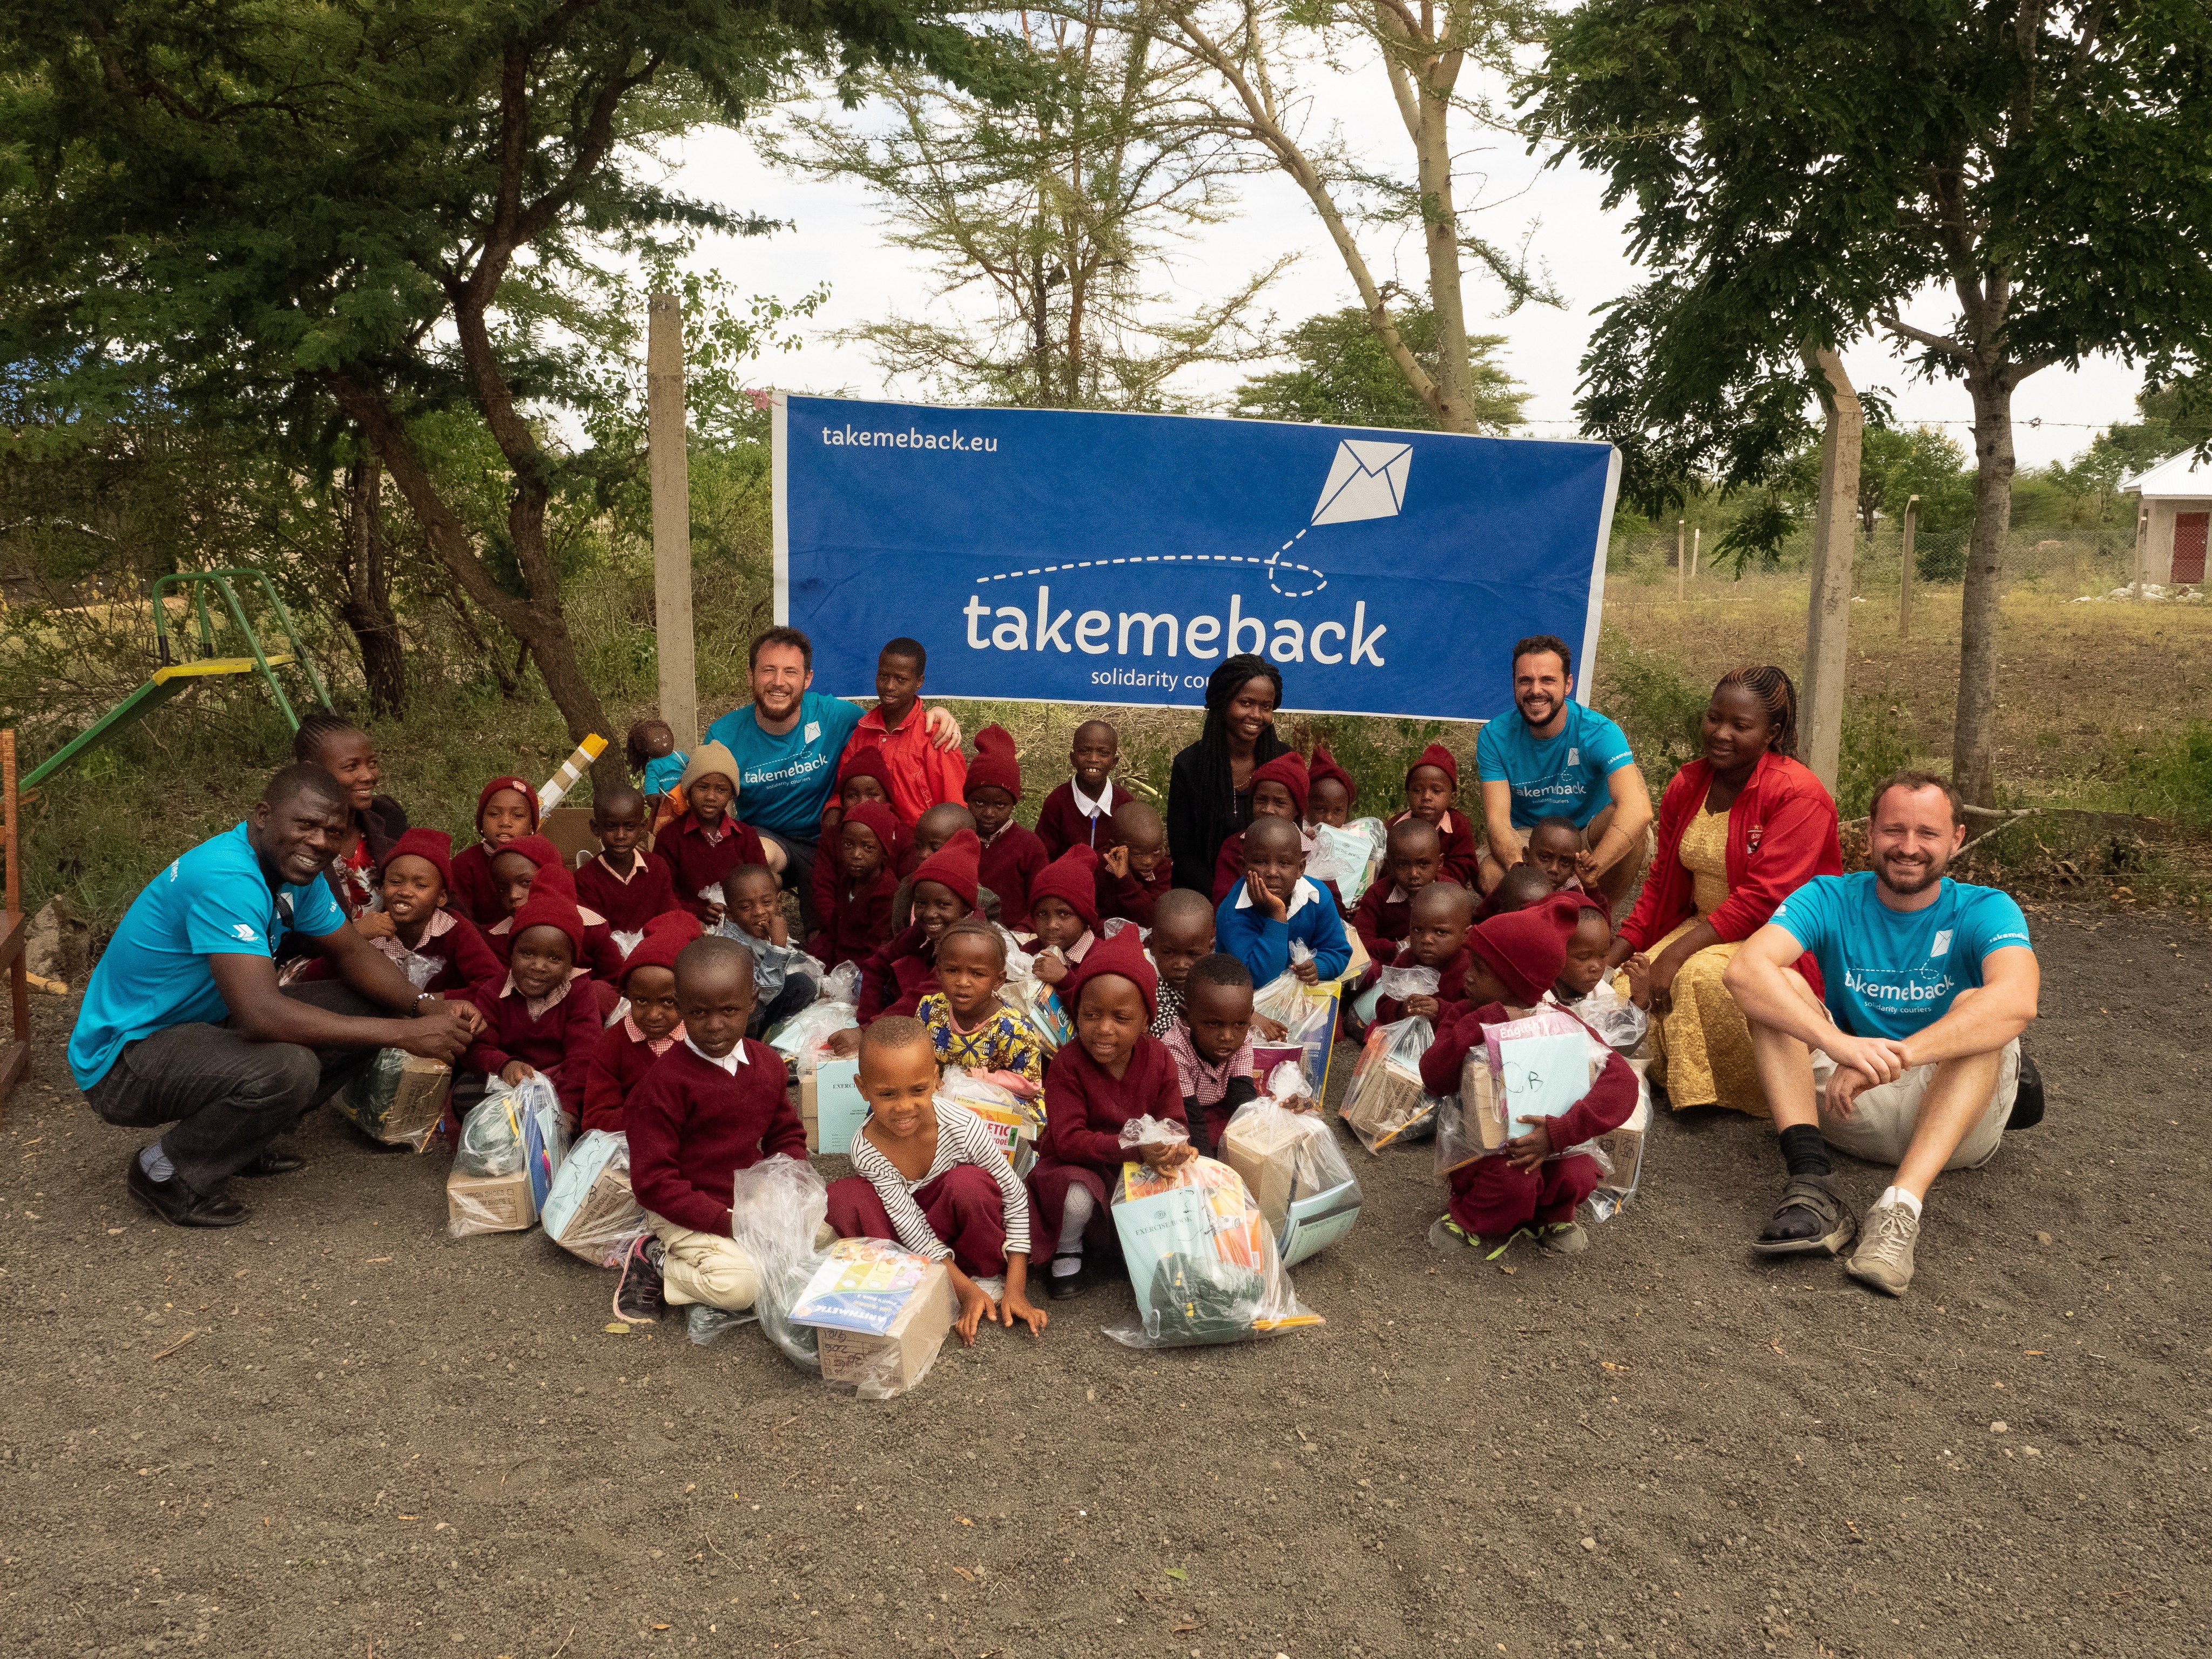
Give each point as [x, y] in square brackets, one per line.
[1344, 376]
[1799, 174]
[396, 208]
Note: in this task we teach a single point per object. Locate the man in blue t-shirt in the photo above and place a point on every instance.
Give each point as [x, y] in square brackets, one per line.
[1550, 756]
[1913, 1056]
[788, 742]
[183, 1023]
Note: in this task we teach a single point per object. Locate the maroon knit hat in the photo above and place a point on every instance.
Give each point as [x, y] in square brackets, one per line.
[865, 761]
[553, 873]
[885, 821]
[1123, 954]
[1290, 772]
[1527, 949]
[433, 847]
[554, 907]
[1324, 765]
[996, 765]
[665, 935]
[954, 865]
[1438, 756]
[1072, 877]
[521, 786]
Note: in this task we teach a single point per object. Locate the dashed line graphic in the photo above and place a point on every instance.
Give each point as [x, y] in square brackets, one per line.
[1274, 564]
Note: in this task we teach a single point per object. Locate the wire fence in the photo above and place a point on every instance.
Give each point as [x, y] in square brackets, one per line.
[2070, 563]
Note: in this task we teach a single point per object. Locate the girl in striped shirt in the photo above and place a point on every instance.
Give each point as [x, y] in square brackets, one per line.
[934, 1179]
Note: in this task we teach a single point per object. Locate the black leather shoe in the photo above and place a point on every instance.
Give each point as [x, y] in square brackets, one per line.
[274, 1163]
[178, 1205]
[1062, 1286]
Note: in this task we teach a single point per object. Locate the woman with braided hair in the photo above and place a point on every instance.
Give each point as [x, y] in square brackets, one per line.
[1210, 787]
[1740, 830]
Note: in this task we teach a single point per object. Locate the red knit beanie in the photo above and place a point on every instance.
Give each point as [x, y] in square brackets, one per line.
[885, 821]
[1072, 877]
[1324, 765]
[954, 865]
[1527, 949]
[433, 847]
[554, 907]
[665, 935]
[1438, 756]
[996, 766]
[521, 786]
[864, 762]
[553, 872]
[1123, 954]
[1290, 772]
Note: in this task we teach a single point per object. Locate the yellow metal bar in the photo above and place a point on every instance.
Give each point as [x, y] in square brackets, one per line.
[208, 667]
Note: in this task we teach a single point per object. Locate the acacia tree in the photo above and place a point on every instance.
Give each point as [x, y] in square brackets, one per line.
[383, 206]
[1805, 172]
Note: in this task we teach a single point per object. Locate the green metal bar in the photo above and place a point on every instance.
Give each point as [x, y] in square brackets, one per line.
[199, 582]
[220, 582]
[292, 638]
[206, 628]
[134, 706]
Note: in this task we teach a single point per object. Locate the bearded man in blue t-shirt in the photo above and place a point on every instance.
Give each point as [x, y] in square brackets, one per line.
[1913, 1057]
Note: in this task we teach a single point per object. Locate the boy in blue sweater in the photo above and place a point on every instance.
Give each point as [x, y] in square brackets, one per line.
[1275, 904]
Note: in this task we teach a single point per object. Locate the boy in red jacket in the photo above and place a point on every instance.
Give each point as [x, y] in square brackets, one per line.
[543, 1021]
[653, 1026]
[922, 774]
[1080, 813]
[1526, 1187]
[1013, 857]
[622, 881]
[1114, 1070]
[1431, 789]
[506, 810]
[714, 1104]
[1133, 876]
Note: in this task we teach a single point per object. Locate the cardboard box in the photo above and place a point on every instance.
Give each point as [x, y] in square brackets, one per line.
[398, 1098]
[831, 1106]
[1275, 1154]
[488, 1204]
[894, 1361]
[1624, 1146]
[569, 830]
[609, 1212]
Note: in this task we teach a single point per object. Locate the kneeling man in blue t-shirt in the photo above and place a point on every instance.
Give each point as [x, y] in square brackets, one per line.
[1913, 1057]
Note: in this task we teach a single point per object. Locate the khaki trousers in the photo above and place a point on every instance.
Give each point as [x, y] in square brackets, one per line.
[1882, 1120]
[704, 1268]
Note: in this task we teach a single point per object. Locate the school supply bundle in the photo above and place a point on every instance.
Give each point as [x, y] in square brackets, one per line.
[513, 1143]
[1387, 1101]
[590, 1212]
[1350, 856]
[1623, 1148]
[1618, 1022]
[1201, 1256]
[1290, 1161]
[831, 1107]
[776, 1207]
[1527, 1069]
[398, 1098]
[1397, 984]
[879, 1314]
[1036, 1001]
[1307, 1016]
[1016, 1123]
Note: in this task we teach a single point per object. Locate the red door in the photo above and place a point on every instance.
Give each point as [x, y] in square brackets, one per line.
[2189, 546]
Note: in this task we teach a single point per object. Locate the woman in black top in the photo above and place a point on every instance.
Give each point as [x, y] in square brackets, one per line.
[1210, 789]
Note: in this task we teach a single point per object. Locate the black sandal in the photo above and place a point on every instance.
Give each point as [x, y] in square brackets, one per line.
[1821, 1203]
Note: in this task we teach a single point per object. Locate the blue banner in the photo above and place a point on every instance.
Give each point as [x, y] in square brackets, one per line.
[1088, 558]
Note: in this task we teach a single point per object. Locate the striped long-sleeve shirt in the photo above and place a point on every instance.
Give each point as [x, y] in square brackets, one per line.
[962, 1137]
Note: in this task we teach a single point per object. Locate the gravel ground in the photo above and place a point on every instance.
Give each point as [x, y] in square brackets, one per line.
[337, 1431]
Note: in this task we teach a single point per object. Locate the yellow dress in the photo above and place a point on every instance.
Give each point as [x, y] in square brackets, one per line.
[1701, 1050]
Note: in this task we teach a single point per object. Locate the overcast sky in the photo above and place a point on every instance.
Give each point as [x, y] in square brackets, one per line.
[838, 239]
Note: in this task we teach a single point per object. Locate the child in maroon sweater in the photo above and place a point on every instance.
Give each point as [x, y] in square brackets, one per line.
[896, 976]
[1442, 913]
[438, 951]
[1113, 1071]
[1279, 790]
[714, 1104]
[653, 1026]
[521, 868]
[1080, 813]
[1527, 1186]
[708, 841]
[1331, 793]
[1012, 857]
[623, 882]
[1064, 913]
[1133, 876]
[543, 1021]
[1412, 853]
[506, 810]
[1431, 788]
[853, 892]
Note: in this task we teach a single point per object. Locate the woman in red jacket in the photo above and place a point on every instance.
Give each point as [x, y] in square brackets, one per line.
[1739, 831]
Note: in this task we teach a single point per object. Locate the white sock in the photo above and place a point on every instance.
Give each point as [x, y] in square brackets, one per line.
[1065, 1266]
[1899, 1195]
[155, 1163]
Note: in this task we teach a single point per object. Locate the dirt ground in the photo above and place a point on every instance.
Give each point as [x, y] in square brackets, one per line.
[337, 1431]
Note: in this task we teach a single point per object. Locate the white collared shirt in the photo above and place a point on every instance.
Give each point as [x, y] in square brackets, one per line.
[1304, 891]
[728, 1062]
[1093, 810]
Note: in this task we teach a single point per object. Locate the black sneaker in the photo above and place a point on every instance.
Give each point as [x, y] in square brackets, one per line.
[2028, 1100]
[1062, 1287]
[178, 1204]
[637, 1293]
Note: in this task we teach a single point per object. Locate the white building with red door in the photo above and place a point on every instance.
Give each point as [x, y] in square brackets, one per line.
[2170, 524]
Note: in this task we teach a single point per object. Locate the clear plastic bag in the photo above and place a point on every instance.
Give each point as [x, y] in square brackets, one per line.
[1307, 1016]
[776, 1207]
[488, 1204]
[1618, 1022]
[1387, 1102]
[1201, 1258]
[703, 1324]
[1016, 1121]
[1039, 1005]
[841, 984]
[806, 1035]
[494, 1139]
[1412, 981]
[1349, 856]
[880, 1314]
[398, 1098]
[1148, 1131]
[1291, 1163]
[590, 1212]
[1287, 1089]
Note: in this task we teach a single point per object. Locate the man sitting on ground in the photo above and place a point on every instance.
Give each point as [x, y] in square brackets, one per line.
[1930, 982]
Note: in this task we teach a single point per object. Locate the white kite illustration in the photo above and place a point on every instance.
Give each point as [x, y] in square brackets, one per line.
[1366, 481]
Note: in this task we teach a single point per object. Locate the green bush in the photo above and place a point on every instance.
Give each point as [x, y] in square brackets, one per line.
[1874, 746]
[1656, 704]
[2174, 782]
